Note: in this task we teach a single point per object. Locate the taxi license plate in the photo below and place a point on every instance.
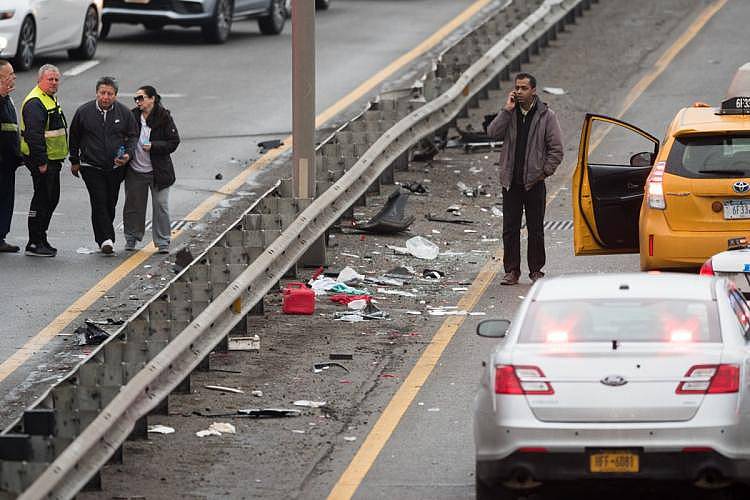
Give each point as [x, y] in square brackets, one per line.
[737, 209]
[614, 462]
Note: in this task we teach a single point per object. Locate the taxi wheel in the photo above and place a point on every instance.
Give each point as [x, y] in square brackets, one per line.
[89, 37]
[26, 43]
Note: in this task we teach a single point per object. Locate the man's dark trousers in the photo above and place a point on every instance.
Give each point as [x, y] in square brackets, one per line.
[103, 185]
[7, 197]
[45, 199]
[516, 200]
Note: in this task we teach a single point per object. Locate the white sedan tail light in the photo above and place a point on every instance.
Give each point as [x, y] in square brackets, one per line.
[711, 379]
[521, 380]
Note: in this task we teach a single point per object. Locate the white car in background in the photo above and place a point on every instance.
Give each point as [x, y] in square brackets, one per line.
[32, 27]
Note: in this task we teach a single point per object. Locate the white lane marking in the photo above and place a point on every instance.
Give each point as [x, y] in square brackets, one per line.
[77, 70]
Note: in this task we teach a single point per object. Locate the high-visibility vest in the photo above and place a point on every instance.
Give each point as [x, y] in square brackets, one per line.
[56, 138]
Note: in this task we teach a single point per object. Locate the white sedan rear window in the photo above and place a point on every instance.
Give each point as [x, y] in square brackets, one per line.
[675, 321]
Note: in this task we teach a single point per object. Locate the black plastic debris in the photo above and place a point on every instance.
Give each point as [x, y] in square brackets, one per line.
[451, 220]
[341, 355]
[433, 274]
[182, 259]
[400, 273]
[319, 367]
[105, 322]
[219, 176]
[471, 139]
[415, 187]
[425, 151]
[391, 219]
[265, 146]
[90, 334]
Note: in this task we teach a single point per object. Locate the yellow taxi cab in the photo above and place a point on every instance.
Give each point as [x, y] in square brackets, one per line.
[676, 203]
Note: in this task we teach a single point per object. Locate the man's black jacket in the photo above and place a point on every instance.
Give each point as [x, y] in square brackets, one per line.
[10, 144]
[95, 141]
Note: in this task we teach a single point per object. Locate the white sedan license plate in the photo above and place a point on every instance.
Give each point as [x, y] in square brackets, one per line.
[737, 209]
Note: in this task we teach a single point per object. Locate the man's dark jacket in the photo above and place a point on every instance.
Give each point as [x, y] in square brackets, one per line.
[10, 144]
[164, 141]
[94, 141]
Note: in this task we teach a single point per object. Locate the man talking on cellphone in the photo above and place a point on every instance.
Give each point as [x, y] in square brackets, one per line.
[532, 151]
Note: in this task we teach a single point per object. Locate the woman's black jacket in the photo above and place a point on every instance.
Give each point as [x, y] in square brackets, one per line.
[164, 142]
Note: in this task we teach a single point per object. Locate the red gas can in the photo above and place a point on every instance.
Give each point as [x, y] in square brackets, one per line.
[298, 299]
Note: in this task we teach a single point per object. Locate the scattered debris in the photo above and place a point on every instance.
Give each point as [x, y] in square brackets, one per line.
[160, 429]
[257, 394]
[415, 187]
[554, 90]
[433, 274]
[268, 413]
[368, 313]
[219, 176]
[319, 367]
[391, 218]
[265, 146]
[90, 333]
[244, 343]
[224, 389]
[105, 322]
[298, 431]
[350, 438]
[358, 304]
[402, 273]
[422, 248]
[385, 291]
[471, 192]
[436, 218]
[182, 258]
[349, 275]
[413, 313]
[340, 355]
[85, 251]
[223, 428]
[309, 404]
[344, 299]
[207, 432]
[496, 211]
[384, 280]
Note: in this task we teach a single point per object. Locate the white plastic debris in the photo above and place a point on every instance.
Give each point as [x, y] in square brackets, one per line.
[459, 289]
[422, 248]
[84, 251]
[224, 389]
[322, 284]
[349, 275]
[309, 404]
[257, 394]
[207, 432]
[385, 291]
[496, 212]
[398, 250]
[357, 305]
[554, 90]
[413, 313]
[470, 231]
[160, 429]
[223, 428]
[351, 318]
[298, 431]
[433, 409]
[351, 439]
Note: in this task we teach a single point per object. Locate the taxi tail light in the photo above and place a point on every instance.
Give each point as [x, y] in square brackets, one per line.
[520, 380]
[711, 379]
[707, 269]
[655, 187]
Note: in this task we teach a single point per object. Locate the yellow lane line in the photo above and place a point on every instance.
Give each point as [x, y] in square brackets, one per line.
[383, 429]
[116, 275]
[381, 432]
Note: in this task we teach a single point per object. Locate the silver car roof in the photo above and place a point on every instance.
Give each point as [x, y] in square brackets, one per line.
[626, 285]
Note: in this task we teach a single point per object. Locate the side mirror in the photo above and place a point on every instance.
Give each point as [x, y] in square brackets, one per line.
[643, 159]
[493, 328]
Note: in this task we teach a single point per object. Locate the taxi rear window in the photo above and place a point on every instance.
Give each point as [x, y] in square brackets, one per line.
[628, 320]
[710, 156]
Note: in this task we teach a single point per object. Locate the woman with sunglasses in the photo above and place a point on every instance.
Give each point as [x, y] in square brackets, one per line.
[151, 169]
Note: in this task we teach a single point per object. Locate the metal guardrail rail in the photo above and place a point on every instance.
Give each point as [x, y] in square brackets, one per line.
[60, 444]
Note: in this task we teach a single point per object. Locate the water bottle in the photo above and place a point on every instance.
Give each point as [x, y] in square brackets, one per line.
[120, 153]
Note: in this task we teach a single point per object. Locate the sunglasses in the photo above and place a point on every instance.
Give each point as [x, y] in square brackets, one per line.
[139, 98]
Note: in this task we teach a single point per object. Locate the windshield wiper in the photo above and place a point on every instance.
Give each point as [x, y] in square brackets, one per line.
[720, 171]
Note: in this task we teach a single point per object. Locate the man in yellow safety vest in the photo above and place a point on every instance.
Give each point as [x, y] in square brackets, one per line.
[44, 145]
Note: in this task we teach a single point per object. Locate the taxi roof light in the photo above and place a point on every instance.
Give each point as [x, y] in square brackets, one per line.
[735, 106]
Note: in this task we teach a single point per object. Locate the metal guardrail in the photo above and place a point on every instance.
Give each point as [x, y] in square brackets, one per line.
[63, 446]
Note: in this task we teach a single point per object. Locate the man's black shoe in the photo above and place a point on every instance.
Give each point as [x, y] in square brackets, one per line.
[510, 278]
[46, 243]
[6, 247]
[536, 275]
[39, 250]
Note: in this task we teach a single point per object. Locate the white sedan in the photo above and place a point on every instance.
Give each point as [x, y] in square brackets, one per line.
[732, 264]
[32, 27]
[617, 379]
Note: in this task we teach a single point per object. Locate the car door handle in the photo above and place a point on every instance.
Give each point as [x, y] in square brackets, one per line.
[632, 186]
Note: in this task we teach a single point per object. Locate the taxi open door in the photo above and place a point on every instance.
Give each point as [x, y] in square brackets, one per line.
[614, 161]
